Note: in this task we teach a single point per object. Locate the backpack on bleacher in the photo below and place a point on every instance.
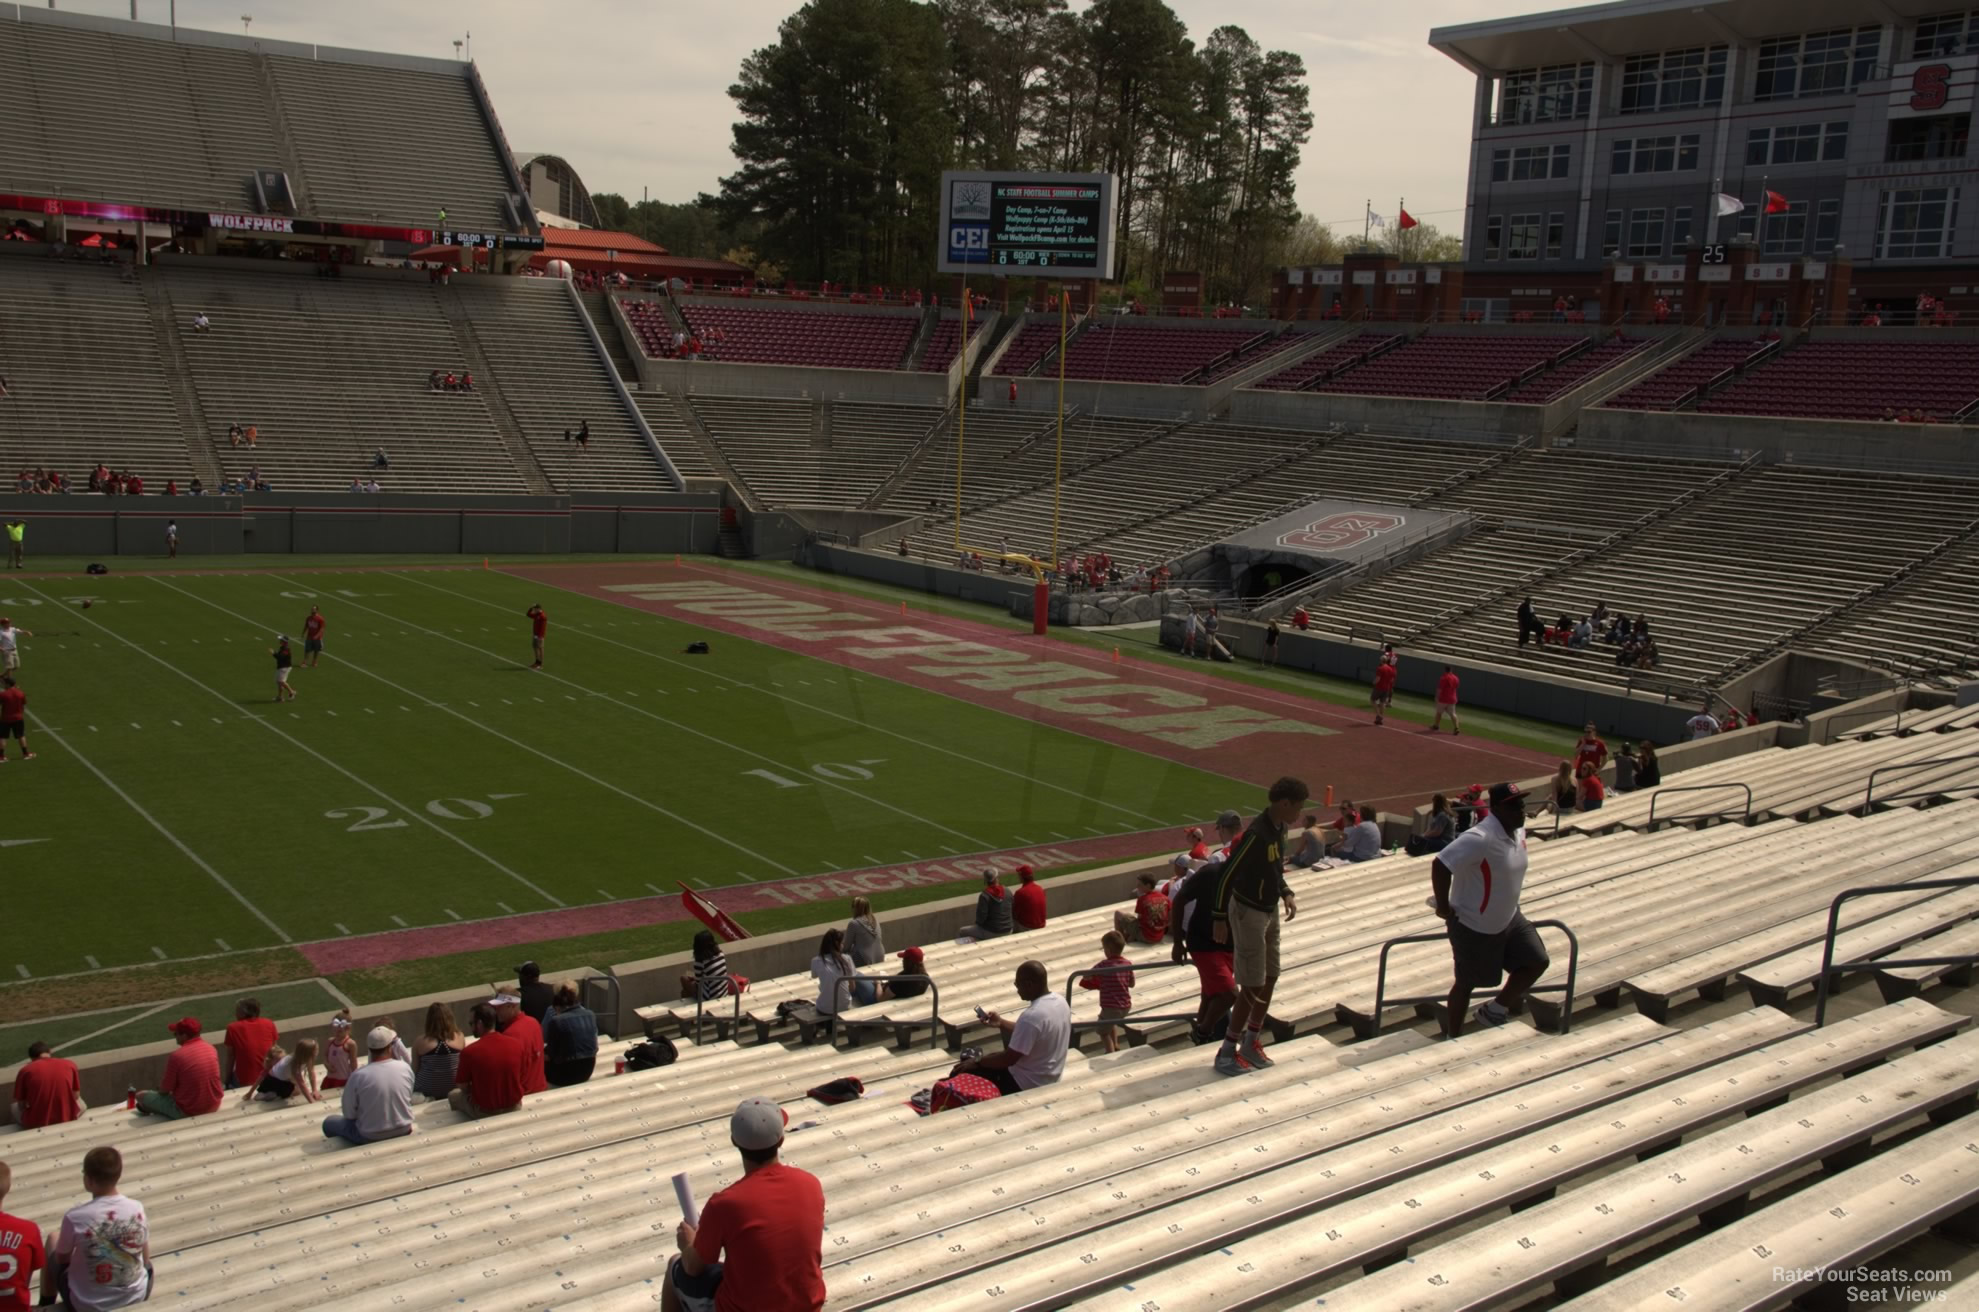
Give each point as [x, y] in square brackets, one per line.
[960, 1091]
[651, 1055]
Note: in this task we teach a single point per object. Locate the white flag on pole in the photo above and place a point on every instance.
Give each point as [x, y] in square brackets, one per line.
[1375, 220]
[1728, 204]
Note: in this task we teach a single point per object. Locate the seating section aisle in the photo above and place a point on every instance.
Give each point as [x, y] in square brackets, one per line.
[1667, 387]
[768, 442]
[1857, 380]
[837, 339]
[992, 467]
[1341, 355]
[1255, 354]
[1122, 352]
[1712, 578]
[649, 321]
[535, 339]
[1927, 625]
[944, 344]
[86, 381]
[1558, 382]
[1449, 365]
[689, 456]
[329, 372]
[1030, 341]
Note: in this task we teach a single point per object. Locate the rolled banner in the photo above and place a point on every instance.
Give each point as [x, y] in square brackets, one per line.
[683, 1192]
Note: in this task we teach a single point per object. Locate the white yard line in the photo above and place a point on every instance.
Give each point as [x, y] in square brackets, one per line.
[111, 1029]
[718, 741]
[820, 710]
[513, 742]
[284, 734]
[41, 728]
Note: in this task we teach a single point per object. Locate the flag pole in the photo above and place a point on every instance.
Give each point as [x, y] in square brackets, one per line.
[962, 413]
[1401, 208]
[1367, 213]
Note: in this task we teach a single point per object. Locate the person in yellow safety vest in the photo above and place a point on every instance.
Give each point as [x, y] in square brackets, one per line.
[16, 544]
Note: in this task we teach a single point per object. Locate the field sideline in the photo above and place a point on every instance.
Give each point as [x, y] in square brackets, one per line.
[427, 793]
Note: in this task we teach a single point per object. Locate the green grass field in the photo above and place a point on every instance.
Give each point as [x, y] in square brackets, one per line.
[425, 776]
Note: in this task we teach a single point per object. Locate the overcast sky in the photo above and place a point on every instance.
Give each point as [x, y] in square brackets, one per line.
[634, 92]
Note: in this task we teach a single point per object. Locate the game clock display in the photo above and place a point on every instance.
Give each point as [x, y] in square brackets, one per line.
[1058, 224]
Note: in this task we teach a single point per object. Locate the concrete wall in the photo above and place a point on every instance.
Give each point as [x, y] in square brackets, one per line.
[720, 378]
[1451, 420]
[999, 590]
[1851, 443]
[401, 524]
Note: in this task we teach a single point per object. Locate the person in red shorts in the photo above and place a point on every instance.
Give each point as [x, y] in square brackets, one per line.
[758, 1243]
[13, 717]
[249, 1036]
[1384, 685]
[1193, 914]
[47, 1091]
[539, 628]
[1446, 701]
[21, 1255]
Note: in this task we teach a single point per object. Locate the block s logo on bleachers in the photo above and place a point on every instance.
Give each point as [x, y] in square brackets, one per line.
[1348, 528]
[1930, 87]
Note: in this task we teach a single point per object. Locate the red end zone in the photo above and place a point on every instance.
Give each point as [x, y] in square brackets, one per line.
[1193, 718]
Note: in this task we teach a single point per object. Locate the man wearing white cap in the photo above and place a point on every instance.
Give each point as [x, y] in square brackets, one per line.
[769, 1226]
[378, 1096]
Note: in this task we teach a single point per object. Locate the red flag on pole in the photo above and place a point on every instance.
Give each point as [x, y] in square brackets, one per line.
[710, 915]
[1406, 221]
[1775, 203]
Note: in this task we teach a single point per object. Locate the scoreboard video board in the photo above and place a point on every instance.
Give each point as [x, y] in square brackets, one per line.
[1058, 224]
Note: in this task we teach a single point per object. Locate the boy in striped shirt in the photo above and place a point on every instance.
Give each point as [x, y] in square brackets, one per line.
[1115, 990]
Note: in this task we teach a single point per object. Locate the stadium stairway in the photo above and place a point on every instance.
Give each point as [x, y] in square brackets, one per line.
[597, 304]
[506, 421]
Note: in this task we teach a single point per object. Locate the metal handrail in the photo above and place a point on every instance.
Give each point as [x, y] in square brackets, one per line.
[1650, 824]
[1869, 789]
[1129, 969]
[1830, 967]
[1382, 1000]
[700, 1005]
[1828, 722]
[611, 980]
[934, 998]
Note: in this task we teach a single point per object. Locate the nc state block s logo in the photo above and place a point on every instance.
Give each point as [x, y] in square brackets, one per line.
[1928, 87]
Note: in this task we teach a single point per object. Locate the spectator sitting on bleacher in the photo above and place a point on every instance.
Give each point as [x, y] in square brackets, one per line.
[436, 1053]
[466, 381]
[253, 435]
[993, 919]
[20, 1240]
[339, 1052]
[711, 979]
[1027, 903]
[47, 1089]
[434, 383]
[235, 436]
[377, 1099]
[1617, 631]
[830, 966]
[249, 1036]
[1566, 793]
[201, 324]
[102, 1253]
[1438, 828]
[1648, 770]
[379, 460]
[1362, 839]
[769, 1226]
[1625, 769]
[191, 1083]
[450, 382]
[1582, 636]
[523, 1028]
[488, 1077]
[536, 995]
[1034, 1045]
[1148, 921]
[285, 1074]
[570, 1039]
[196, 488]
[1592, 792]
[912, 962]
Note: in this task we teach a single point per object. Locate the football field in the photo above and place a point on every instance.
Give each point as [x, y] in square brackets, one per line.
[426, 776]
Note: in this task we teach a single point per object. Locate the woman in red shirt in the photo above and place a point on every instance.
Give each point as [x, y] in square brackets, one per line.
[1592, 791]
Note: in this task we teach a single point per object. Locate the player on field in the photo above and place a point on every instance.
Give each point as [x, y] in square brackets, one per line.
[10, 656]
[284, 659]
[1446, 701]
[13, 717]
[1384, 683]
[312, 638]
[539, 627]
[171, 539]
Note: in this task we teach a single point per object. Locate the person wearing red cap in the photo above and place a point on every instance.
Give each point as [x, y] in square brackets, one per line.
[1027, 903]
[912, 962]
[1475, 884]
[191, 1085]
[769, 1226]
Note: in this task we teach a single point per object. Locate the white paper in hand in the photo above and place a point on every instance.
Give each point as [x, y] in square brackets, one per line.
[684, 1193]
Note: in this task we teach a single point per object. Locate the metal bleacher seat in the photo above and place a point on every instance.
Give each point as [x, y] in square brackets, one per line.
[1795, 1115]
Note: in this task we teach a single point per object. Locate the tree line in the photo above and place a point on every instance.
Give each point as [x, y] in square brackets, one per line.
[846, 122]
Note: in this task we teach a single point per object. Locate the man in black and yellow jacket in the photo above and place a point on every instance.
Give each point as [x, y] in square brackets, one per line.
[1246, 901]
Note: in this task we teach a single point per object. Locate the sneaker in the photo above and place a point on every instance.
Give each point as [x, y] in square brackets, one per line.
[27, 756]
[1253, 1053]
[1491, 1014]
[1231, 1063]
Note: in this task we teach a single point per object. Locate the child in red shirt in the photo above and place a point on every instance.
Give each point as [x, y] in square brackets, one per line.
[1115, 991]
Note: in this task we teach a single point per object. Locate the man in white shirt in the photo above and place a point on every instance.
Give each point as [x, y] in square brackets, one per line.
[102, 1257]
[1034, 1044]
[1702, 725]
[378, 1098]
[1475, 884]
